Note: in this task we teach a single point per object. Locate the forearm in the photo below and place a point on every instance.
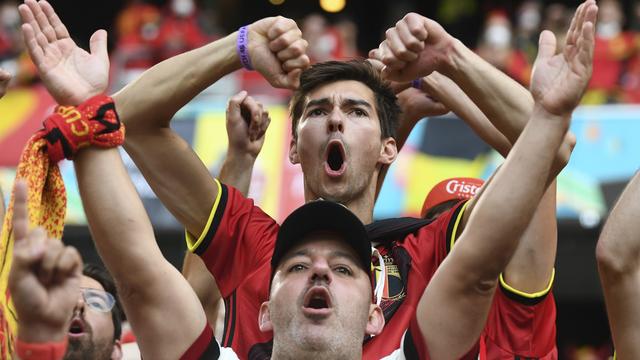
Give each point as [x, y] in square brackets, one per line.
[509, 201]
[506, 103]
[117, 220]
[463, 287]
[450, 94]
[124, 238]
[152, 99]
[236, 171]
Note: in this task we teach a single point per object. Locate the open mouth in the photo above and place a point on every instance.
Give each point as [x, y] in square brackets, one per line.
[76, 328]
[317, 299]
[335, 155]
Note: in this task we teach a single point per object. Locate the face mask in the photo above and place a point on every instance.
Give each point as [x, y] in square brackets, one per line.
[608, 29]
[10, 17]
[498, 36]
[529, 20]
[182, 7]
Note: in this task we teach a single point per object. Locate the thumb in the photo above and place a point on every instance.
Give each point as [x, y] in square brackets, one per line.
[234, 103]
[293, 78]
[547, 45]
[98, 44]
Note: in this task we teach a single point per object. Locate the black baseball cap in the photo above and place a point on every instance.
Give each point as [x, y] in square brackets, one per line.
[322, 215]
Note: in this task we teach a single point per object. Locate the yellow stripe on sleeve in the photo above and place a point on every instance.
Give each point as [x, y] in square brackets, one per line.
[534, 295]
[193, 245]
[455, 225]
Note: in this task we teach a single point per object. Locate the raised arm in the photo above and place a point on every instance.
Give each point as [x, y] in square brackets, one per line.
[149, 286]
[172, 169]
[454, 308]
[531, 267]
[246, 137]
[491, 103]
[146, 106]
[617, 252]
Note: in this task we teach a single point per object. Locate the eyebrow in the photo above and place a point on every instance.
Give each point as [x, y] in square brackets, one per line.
[346, 255]
[346, 102]
[333, 254]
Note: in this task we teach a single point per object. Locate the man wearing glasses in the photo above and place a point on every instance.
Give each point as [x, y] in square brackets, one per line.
[96, 324]
[55, 318]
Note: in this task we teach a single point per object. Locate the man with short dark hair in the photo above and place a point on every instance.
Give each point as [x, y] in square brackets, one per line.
[342, 148]
[96, 324]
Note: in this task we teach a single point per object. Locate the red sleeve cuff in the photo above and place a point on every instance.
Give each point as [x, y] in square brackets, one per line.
[41, 351]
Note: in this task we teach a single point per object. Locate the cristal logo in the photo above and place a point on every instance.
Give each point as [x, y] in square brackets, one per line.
[455, 186]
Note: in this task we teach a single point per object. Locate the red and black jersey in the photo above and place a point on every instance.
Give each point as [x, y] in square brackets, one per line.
[237, 244]
[520, 326]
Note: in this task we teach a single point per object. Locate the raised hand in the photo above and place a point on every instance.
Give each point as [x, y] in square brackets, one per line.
[44, 280]
[415, 103]
[278, 51]
[247, 123]
[559, 80]
[71, 74]
[5, 77]
[414, 48]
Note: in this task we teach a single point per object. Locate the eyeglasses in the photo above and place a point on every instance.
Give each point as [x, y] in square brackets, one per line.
[98, 300]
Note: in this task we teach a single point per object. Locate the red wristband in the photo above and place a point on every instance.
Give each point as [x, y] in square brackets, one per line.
[94, 122]
[41, 351]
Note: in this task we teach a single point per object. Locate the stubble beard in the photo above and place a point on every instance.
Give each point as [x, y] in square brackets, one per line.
[88, 349]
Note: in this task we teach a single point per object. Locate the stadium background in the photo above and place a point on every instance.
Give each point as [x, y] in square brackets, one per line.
[143, 33]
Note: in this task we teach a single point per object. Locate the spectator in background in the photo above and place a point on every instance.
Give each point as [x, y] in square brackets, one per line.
[557, 18]
[13, 56]
[180, 29]
[330, 42]
[496, 47]
[137, 29]
[630, 81]
[529, 17]
[613, 48]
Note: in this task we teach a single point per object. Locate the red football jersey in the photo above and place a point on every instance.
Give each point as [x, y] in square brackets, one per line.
[237, 245]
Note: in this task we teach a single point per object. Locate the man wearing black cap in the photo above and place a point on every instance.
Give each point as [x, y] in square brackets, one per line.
[321, 297]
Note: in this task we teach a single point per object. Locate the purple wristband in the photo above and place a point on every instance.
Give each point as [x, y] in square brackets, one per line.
[417, 83]
[243, 49]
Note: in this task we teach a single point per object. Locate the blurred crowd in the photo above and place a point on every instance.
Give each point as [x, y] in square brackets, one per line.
[147, 34]
[510, 43]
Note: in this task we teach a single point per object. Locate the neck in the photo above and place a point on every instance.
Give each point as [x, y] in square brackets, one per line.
[280, 353]
[361, 204]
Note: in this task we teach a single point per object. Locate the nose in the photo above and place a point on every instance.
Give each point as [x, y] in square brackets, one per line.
[321, 273]
[335, 121]
[80, 304]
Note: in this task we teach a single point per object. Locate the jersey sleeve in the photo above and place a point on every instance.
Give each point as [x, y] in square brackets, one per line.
[521, 324]
[237, 239]
[433, 242]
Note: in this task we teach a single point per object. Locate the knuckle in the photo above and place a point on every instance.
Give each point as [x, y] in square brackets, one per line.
[416, 29]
